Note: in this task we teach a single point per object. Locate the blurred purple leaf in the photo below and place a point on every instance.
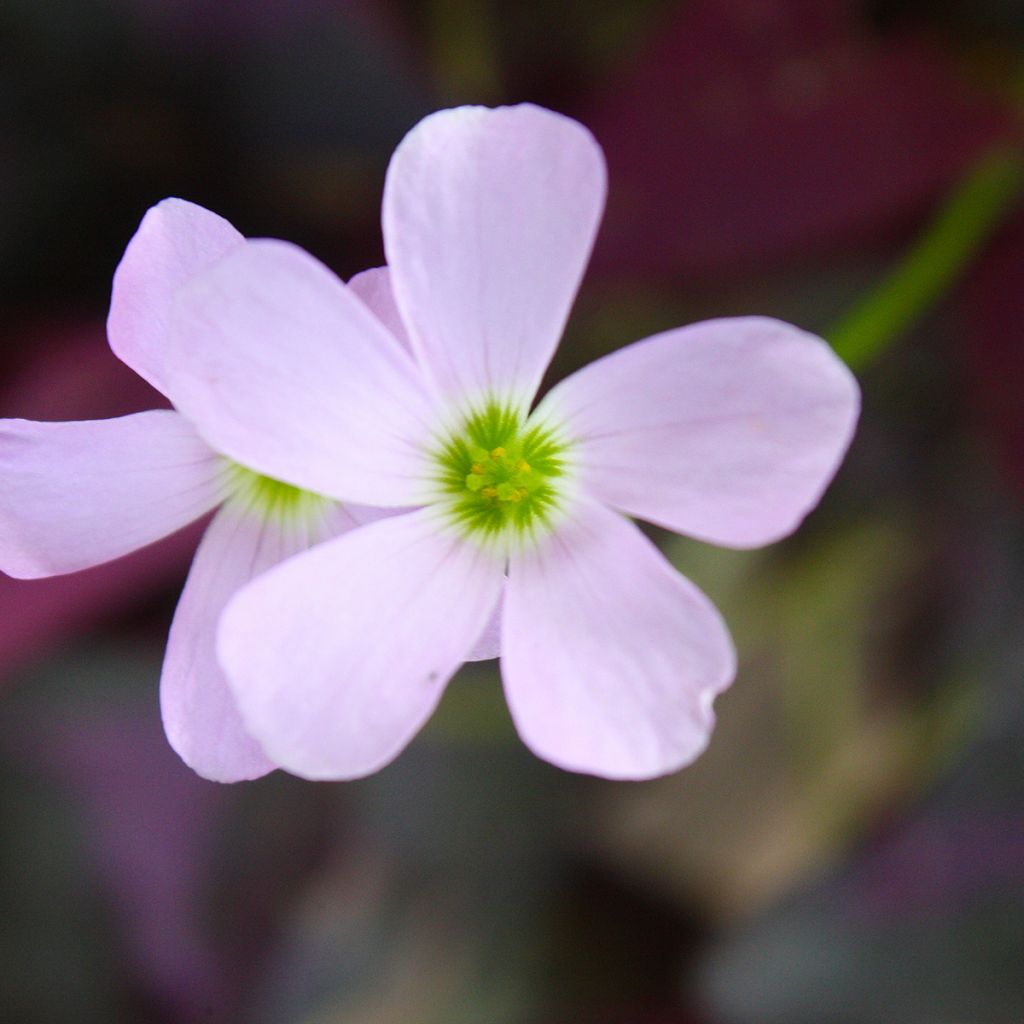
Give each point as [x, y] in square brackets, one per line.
[149, 826]
[935, 867]
[994, 312]
[753, 130]
[71, 374]
[151, 830]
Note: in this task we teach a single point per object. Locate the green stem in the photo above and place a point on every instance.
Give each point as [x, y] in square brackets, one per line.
[946, 249]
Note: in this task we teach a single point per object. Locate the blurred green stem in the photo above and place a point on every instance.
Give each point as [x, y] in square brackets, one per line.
[946, 249]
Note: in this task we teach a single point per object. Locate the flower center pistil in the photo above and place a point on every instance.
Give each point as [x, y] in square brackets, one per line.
[499, 474]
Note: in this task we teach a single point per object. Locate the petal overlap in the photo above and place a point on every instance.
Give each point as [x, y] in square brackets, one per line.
[488, 643]
[489, 218]
[611, 659]
[373, 286]
[286, 370]
[338, 656]
[199, 712]
[727, 430]
[77, 494]
[175, 241]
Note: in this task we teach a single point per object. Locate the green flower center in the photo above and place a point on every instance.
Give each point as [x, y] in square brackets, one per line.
[272, 500]
[498, 473]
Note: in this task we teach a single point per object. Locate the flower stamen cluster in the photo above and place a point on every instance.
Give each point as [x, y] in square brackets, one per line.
[499, 474]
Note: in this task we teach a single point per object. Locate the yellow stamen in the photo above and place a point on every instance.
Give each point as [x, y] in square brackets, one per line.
[490, 492]
[523, 466]
[498, 453]
[478, 469]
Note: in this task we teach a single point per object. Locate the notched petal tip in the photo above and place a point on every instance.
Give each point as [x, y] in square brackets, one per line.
[611, 659]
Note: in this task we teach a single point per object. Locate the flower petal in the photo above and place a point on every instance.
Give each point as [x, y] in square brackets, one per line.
[489, 218]
[175, 241]
[488, 643]
[78, 494]
[611, 659]
[373, 286]
[200, 716]
[727, 430]
[284, 369]
[338, 656]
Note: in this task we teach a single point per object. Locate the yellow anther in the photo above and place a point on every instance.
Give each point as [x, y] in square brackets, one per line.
[498, 453]
[477, 468]
[521, 492]
[523, 466]
[490, 492]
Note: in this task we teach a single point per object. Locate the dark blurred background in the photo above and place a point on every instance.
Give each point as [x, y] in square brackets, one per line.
[851, 848]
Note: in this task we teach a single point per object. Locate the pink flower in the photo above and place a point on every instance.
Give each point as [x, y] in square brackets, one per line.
[727, 431]
[80, 493]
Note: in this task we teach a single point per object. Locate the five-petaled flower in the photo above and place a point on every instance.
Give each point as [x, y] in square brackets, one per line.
[727, 431]
[74, 495]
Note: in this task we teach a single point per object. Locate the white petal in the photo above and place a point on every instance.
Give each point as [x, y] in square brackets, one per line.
[489, 219]
[338, 656]
[199, 711]
[488, 644]
[81, 493]
[373, 286]
[611, 659]
[284, 369]
[728, 430]
[175, 241]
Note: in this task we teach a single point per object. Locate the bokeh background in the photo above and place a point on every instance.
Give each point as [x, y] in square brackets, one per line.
[851, 848]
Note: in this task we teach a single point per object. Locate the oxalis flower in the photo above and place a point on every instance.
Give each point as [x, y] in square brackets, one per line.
[76, 494]
[727, 431]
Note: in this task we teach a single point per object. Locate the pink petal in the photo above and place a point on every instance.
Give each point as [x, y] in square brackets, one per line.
[284, 369]
[81, 493]
[488, 644]
[175, 241]
[199, 711]
[74, 375]
[611, 659]
[374, 288]
[338, 656]
[727, 430]
[489, 218]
